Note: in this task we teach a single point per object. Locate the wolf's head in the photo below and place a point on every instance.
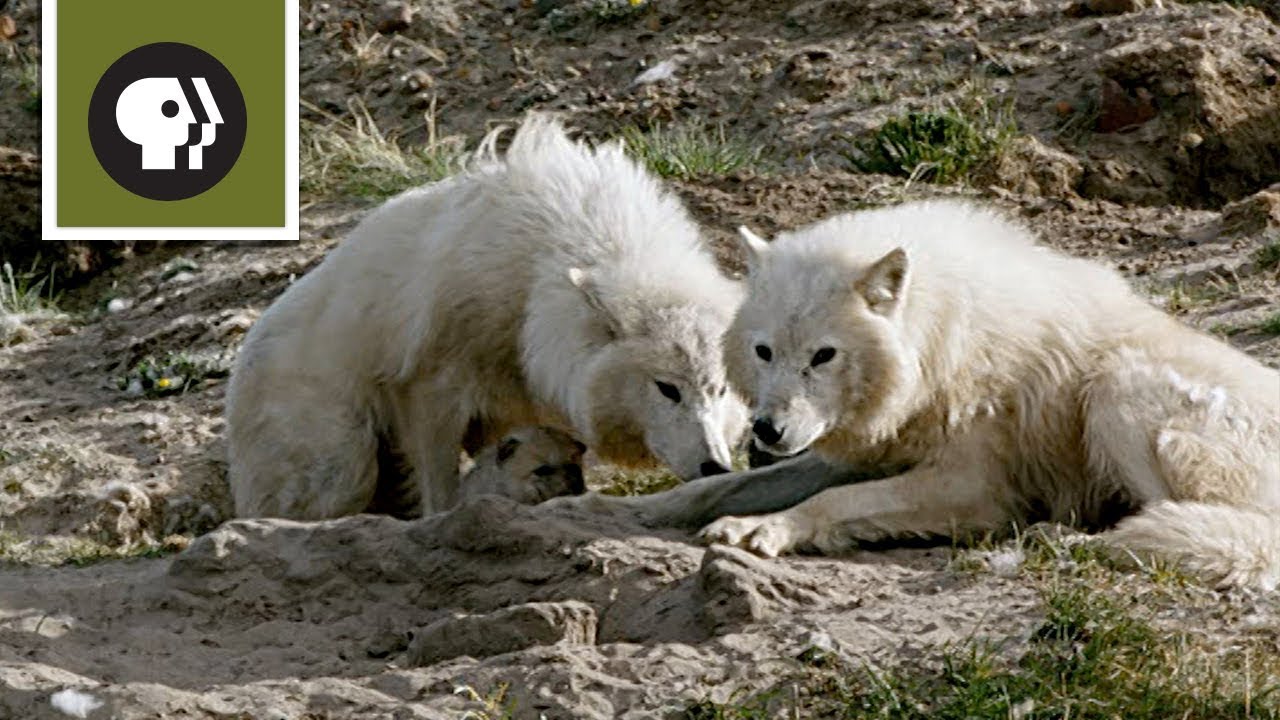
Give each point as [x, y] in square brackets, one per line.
[529, 465]
[817, 348]
[657, 388]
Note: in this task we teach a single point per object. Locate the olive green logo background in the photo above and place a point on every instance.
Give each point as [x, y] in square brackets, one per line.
[247, 36]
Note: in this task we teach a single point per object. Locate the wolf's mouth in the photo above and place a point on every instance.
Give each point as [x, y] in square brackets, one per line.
[759, 457]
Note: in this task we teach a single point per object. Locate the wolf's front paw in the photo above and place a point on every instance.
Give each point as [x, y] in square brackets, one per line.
[768, 535]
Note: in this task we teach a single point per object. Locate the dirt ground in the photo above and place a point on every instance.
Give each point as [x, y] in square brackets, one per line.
[1147, 137]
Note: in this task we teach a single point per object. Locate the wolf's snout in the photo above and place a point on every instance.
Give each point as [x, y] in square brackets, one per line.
[764, 429]
[711, 467]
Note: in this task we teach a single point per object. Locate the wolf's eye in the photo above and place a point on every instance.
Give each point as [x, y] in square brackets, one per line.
[764, 353]
[823, 355]
[544, 470]
[670, 391]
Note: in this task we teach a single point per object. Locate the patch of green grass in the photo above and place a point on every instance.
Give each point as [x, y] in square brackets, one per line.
[172, 374]
[358, 159]
[692, 151]
[1268, 256]
[1271, 326]
[1093, 657]
[26, 292]
[945, 145]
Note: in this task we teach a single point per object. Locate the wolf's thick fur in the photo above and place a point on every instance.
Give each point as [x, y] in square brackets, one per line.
[558, 286]
[1017, 383]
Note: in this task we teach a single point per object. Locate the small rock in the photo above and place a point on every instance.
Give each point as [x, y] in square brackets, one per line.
[74, 703]
[1254, 214]
[664, 70]
[118, 305]
[1085, 8]
[394, 18]
[1119, 110]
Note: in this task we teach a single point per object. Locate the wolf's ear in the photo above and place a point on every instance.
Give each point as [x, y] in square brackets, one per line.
[753, 246]
[885, 282]
[583, 280]
[580, 446]
[507, 449]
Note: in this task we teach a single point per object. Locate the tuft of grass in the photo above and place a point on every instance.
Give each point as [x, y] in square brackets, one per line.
[356, 158]
[173, 374]
[945, 145]
[691, 151]
[495, 705]
[607, 12]
[1182, 297]
[27, 75]
[70, 551]
[1271, 326]
[1268, 256]
[27, 292]
[1093, 657]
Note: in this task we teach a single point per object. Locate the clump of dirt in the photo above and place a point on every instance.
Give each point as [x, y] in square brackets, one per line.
[577, 616]
[1201, 109]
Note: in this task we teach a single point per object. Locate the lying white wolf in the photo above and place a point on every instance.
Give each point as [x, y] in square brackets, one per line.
[1014, 382]
[558, 286]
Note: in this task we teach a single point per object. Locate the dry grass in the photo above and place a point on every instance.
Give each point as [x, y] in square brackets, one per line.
[355, 158]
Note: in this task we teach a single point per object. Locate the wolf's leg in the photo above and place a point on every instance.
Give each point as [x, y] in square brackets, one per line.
[1163, 436]
[697, 502]
[923, 502]
[428, 428]
[307, 457]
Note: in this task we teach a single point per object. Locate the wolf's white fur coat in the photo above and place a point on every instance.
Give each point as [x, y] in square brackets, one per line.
[555, 286]
[1017, 382]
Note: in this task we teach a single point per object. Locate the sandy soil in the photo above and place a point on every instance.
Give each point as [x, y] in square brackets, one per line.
[371, 617]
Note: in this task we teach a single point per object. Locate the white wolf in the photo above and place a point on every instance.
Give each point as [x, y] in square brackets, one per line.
[986, 381]
[558, 286]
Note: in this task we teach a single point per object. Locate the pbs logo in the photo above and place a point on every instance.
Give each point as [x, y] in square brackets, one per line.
[167, 121]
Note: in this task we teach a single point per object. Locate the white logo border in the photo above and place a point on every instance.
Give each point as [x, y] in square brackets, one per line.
[50, 230]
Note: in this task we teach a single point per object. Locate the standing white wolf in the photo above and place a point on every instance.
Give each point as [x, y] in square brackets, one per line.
[1014, 382]
[558, 286]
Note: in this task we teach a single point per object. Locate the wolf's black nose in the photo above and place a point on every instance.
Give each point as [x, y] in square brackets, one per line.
[711, 467]
[764, 429]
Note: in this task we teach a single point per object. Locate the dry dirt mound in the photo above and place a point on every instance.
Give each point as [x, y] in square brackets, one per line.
[583, 617]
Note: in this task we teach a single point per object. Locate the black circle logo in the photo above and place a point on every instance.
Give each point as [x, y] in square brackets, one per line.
[167, 121]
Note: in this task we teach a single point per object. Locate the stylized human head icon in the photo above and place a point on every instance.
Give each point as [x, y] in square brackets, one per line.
[138, 121]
